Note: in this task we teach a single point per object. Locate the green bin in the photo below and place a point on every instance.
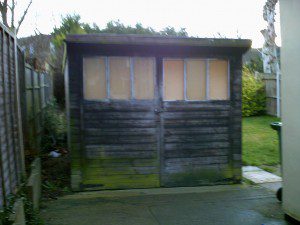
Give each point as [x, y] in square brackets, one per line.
[277, 126]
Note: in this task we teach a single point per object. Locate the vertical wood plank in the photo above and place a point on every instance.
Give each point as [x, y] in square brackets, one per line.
[2, 128]
[207, 80]
[12, 112]
[107, 77]
[6, 108]
[131, 61]
[19, 87]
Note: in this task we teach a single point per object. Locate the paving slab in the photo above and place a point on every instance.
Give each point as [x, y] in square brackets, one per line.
[232, 205]
[259, 176]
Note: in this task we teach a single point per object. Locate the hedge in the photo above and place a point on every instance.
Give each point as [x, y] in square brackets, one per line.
[253, 94]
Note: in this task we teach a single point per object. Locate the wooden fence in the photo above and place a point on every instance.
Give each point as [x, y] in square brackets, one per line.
[11, 139]
[271, 93]
[24, 95]
[36, 91]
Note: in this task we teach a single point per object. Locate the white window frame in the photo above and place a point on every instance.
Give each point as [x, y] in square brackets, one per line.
[132, 81]
[207, 76]
[84, 81]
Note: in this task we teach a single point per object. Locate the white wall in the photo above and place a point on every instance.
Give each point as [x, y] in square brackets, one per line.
[290, 62]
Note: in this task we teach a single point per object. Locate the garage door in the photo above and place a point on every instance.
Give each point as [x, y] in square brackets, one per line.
[195, 122]
[120, 140]
[139, 136]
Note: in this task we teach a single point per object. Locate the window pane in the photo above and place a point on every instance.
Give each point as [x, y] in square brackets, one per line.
[196, 79]
[144, 78]
[94, 78]
[173, 80]
[218, 78]
[119, 77]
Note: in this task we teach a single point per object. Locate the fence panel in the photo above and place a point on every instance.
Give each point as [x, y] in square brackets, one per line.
[25, 92]
[11, 139]
[271, 93]
[36, 95]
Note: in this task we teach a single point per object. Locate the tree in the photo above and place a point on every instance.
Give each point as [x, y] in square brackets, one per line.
[269, 53]
[71, 24]
[4, 7]
[170, 31]
[255, 65]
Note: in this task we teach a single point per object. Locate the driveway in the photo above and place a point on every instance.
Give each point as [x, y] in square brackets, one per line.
[232, 205]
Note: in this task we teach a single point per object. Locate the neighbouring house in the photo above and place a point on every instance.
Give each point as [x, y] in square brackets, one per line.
[38, 51]
[151, 111]
[290, 67]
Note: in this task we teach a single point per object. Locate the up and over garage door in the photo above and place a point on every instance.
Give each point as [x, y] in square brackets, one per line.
[147, 121]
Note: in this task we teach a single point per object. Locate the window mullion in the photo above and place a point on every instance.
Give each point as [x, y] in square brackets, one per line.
[107, 71]
[131, 59]
[184, 80]
[207, 80]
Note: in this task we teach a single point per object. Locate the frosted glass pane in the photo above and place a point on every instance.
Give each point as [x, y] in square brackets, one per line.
[218, 78]
[196, 79]
[119, 77]
[173, 80]
[144, 78]
[94, 78]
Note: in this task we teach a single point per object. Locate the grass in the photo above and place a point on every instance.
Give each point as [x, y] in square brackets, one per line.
[260, 141]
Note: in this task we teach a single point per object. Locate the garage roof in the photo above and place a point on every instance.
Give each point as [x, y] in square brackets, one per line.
[135, 39]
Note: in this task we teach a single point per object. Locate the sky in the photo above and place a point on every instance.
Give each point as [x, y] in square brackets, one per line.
[202, 18]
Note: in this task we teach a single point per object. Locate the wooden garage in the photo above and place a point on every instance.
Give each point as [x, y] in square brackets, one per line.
[151, 111]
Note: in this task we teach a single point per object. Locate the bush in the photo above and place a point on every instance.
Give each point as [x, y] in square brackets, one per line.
[55, 170]
[253, 94]
[55, 125]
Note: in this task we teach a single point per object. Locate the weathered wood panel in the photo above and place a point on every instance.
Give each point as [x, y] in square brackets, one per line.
[36, 94]
[120, 145]
[271, 93]
[131, 144]
[195, 136]
[11, 145]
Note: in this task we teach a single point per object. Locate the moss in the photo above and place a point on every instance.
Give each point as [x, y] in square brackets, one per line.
[119, 173]
[207, 176]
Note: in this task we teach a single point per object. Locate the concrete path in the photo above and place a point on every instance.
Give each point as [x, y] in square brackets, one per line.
[263, 178]
[232, 205]
[259, 176]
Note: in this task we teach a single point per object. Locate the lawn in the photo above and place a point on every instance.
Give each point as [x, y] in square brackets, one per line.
[260, 141]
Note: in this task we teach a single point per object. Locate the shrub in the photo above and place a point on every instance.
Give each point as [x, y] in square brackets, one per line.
[253, 94]
[255, 65]
[55, 128]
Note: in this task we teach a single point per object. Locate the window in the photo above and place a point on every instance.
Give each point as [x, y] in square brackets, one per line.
[195, 79]
[173, 80]
[218, 78]
[122, 78]
[143, 78]
[119, 75]
[94, 78]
